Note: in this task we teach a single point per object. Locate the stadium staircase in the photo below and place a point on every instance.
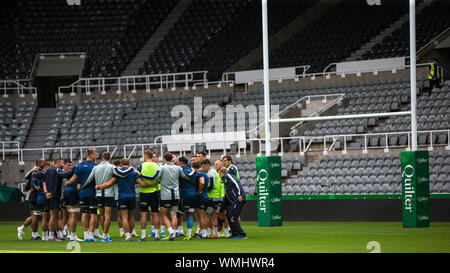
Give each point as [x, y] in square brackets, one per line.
[153, 42]
[38, 133]
[357, 55]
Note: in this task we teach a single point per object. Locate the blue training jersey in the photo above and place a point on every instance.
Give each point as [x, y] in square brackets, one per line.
[73, 186]
[83, 170]
[38, 177]
[204, 192]
[188, 188]
[126, 184]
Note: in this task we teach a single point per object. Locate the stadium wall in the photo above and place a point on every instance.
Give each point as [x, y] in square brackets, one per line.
[384, 210]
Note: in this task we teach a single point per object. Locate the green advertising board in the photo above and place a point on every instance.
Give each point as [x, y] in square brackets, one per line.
[268, 182]
[415, 189]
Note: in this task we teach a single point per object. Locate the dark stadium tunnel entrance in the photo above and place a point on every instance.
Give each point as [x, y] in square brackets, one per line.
[47, 88]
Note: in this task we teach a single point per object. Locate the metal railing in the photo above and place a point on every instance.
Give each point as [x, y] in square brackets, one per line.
[307, 100]
[431, 44]
[132, 83]
[325, 144]
[72, 151]
[10, 150]
[329, 141]
[17, 85]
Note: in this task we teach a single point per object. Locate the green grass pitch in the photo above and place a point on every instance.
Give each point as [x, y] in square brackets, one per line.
[295, 237]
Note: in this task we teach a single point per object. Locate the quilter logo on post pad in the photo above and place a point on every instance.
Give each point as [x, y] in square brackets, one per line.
[409, 187]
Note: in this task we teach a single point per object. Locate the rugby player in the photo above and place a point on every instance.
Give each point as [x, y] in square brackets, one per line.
[202, 200]
[105, 199]
[214, 195]
[35, 213]
[86, 195]
[64, 210]
[188, 193]
[149, 196]
[42, 200]
[222, 221]
[52, 186]
[126, 178]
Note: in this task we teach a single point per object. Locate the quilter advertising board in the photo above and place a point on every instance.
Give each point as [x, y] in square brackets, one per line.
[415, 189]
[268, 181]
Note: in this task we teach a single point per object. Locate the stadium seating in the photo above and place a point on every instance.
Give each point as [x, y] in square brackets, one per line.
[14, 126]
[429, 24]
[335, 35]
[111, 32]
[244, 33]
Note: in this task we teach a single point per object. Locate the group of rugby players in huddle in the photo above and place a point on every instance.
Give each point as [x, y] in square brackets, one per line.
[209, 193]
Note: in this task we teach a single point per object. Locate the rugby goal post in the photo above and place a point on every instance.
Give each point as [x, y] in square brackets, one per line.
[415, 164]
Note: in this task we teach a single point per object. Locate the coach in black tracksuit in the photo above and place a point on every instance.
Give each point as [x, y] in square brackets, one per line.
[233, 202]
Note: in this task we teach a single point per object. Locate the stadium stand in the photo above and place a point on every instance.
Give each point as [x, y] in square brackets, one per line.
[110, 32]
[212, 36]
[431, 22]
[331, 38]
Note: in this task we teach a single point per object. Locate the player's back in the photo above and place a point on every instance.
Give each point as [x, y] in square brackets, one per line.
[203, 174]
[83, 170]
[188, 187]
[150, 169]
[126, 184]
[169, 176]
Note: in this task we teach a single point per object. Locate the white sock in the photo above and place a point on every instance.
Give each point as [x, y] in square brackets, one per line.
[134, 231]
[142, 233]
[105, 236]
[198, 230]
[170, 230]
[162, 228]
[34, 234]
[96, 231]
[60, 234]
[51, 235]
[189, 231]
[128, 235]
[204, 232]
[44, 235]
[156, 231]
[215, 230]
[22, 227]
[121, 230]
[153, 228]
[180, 229]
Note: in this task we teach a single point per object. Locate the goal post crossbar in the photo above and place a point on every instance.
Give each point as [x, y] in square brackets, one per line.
[355, 116]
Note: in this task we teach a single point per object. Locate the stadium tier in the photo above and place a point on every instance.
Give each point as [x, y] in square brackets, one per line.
[213, 36]
[433, 20]
[332, 38]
